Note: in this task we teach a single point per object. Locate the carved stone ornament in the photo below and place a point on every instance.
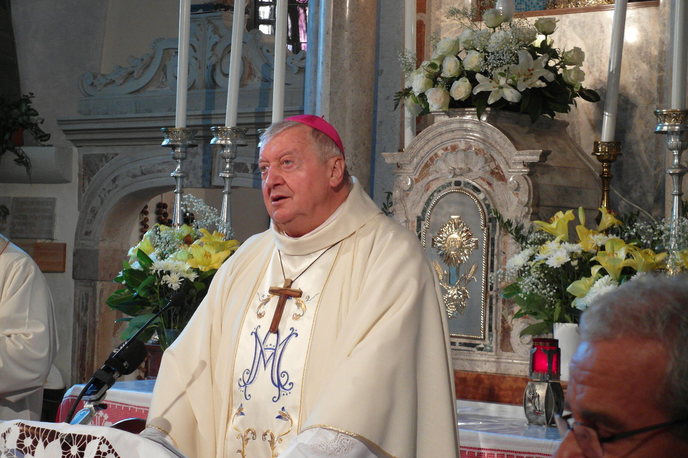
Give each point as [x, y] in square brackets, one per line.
[450, 179]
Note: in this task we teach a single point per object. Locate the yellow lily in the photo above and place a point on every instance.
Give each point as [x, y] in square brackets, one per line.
[207, 257]
[612, 259]
[646, 260]
[217, 241]
[581, 288]
[683, 257]
[607, 220]
[558, 225]
[586, 238]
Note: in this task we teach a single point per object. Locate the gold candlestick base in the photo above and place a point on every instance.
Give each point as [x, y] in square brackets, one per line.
[606, 153]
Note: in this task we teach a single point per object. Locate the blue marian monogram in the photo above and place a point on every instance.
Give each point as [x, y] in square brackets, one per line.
[267, 357]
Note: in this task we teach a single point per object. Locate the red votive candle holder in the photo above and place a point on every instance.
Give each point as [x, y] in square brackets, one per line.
[545, 359]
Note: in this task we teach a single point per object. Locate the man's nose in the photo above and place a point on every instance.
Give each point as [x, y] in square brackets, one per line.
[568, 448]
[272, 177]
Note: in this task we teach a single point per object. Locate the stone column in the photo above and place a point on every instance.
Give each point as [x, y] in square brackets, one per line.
[340, 75]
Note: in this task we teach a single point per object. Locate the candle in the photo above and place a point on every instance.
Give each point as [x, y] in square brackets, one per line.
[545, 359]
[409, 44]
[182, 62]
[280, 61]
[235, 63]
[678, 74]
[614, 73]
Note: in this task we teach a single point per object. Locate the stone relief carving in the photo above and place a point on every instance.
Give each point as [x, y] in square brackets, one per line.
[504, 162]
[210, 48]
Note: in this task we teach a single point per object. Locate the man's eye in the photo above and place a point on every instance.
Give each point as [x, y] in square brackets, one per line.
[263, 168]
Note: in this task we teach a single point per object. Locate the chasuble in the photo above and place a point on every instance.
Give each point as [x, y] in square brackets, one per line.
[28, 336]
[360, 351]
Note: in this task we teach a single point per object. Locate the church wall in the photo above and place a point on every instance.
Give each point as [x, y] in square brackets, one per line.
[52, 53]
[132, 25]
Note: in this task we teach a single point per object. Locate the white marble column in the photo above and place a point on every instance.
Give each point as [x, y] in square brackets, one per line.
[340, 75]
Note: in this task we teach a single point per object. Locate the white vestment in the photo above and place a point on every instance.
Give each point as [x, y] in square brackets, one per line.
[28, 336]
[372, 347]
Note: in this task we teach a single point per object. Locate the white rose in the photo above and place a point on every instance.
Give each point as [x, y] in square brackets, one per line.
[546, 25]
[466, 39]
[574, 76]
[421, 83]
[412, 105]
[451, 67]
[431, 68]
[574, 56]
[493, 18]
[438, 99]
[461, 89]
[446, 47]
[473, 61]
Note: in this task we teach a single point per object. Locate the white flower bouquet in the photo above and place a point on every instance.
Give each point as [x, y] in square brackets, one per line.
[504, 64]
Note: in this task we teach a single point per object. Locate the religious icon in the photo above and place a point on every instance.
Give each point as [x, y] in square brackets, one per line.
[454, 244]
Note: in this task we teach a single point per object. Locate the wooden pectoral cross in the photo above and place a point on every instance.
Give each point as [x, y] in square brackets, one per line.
[284, 292]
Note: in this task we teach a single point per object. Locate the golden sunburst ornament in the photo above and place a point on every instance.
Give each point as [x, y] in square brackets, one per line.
[454, 242]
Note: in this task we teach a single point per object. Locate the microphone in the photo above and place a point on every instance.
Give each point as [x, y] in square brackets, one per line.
[124, 360]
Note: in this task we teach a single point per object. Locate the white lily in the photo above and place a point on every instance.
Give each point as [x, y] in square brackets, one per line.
[529, 71]
[498, 87]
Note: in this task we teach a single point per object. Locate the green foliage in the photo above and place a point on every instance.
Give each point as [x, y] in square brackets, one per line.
[17, 115]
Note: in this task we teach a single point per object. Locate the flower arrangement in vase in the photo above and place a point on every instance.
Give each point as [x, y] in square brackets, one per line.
[504, 64]
[168, 260]
[553, 279]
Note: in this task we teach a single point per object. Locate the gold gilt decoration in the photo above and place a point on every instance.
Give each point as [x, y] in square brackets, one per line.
[245, 436]
[269, 436]
[454, 244]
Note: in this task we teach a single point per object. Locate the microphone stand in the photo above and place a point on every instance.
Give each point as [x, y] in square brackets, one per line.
[95, 390]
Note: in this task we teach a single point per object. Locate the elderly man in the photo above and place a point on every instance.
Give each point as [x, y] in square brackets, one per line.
[28, 336]
[628, 391]
[323, 336]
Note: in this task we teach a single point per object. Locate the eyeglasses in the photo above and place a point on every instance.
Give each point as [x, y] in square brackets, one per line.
[590, 442]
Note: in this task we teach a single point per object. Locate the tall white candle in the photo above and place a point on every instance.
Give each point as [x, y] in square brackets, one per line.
[182, 62]
[678, 73]
[280, 61]
[235, 63]
[410, 44]
[614, 73]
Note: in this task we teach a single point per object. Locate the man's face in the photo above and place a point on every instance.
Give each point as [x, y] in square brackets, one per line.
[298, 188]
[614, 387]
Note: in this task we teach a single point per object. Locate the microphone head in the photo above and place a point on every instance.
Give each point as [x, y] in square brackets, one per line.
[177, 299]
[128, 358]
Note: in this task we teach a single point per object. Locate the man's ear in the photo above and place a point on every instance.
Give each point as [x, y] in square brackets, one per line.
[337, 171]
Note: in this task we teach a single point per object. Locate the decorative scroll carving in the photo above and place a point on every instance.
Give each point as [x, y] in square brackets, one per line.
[210, 47]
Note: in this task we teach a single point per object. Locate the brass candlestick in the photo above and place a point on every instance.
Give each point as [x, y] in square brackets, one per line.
[179, 139]
[606, 153]
[674, 124]
[229, 139]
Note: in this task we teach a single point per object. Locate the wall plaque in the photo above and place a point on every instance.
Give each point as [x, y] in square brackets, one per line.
[33, 218]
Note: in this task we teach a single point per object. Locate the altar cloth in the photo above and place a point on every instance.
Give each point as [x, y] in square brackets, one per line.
[22, 438]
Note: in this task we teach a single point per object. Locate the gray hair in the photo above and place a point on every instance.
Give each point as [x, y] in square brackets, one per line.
[322, 144]
[656, 308]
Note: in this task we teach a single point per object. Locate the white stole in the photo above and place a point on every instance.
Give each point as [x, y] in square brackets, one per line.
[268, 370]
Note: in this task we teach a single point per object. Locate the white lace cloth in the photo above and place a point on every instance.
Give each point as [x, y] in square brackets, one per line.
[325, 443]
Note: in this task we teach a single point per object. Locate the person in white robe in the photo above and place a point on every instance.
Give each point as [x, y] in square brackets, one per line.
[356, 365]
[28, 336]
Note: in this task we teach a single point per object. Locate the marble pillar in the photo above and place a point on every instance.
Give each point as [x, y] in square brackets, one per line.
[340, 80]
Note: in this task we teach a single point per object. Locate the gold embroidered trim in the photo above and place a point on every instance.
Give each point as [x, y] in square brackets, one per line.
[166, 433]
[370, 444]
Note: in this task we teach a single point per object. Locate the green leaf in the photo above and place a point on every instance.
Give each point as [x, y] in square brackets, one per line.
[511, 290]
[134, 277]
[144, 260]
[589, 95]
[536, 329]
